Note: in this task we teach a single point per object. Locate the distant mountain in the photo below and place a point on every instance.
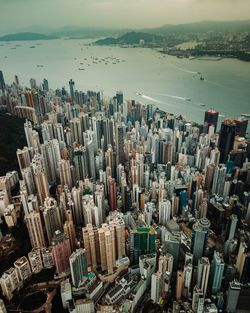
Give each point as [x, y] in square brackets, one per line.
[201, 27]
[87, 32]
[131, 38]
[26, 36]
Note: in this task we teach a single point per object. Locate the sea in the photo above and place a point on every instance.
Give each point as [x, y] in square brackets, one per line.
[143, 74]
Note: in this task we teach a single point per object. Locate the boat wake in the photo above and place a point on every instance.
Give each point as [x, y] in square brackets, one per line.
[213, 83]
[148, 98]
[172, 96]
[185, 71]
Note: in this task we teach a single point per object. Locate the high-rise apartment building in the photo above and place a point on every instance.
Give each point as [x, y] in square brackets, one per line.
[35, 229]
[203, 274]
[217, 270]
[61, 252]
[51, 216]
[78, 267]
[233, 296]
[66, 173]
[2, 82]
[199, 239]
[142, 241]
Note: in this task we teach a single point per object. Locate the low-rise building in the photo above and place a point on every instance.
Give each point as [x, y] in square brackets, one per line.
[23, 268]
[66, 292]
[9, 282]
[35, 260]
[47, 257]
[84, 306]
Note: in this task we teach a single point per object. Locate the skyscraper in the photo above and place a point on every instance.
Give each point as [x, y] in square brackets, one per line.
[112, 194]
[156, 286]
[72, 89]
[119, 97]
[226, 140]
[35, 229]
[119, 141]
[199, 239]
[45, 85]
[51, 217]
[81, 163]
[65, 172]
[2, 82]
[243, 263]
[233, 296]
[61, 252]
[217, 272]
[203, 274]
[172, 246]
[69, 231]
[91, 245]
[211, 118]
[231, 226]
[179, 284]
[78, 267]
[164, 211]
[198, 300]
[142, 241]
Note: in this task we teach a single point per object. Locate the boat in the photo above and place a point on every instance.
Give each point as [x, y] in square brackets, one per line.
[246, 115]
[81, 69]
[202, 105]
[187, 99]
[138, 94]
[202, 78]
[40, 65]
[32, 47]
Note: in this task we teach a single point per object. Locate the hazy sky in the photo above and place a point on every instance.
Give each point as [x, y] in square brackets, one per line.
[116, 13]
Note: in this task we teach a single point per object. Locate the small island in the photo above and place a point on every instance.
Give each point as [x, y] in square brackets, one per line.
[26, 37]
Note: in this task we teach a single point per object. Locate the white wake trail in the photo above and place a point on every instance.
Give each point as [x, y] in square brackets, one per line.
[184, 70]
[170, 96]
[149, 98]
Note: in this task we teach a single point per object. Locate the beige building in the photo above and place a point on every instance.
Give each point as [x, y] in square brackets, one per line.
[104, 245]
[23, 268]
[35, 229]
[9, 282]
[35, 260]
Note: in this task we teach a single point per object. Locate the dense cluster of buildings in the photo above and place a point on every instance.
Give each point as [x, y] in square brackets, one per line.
[129, 203]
